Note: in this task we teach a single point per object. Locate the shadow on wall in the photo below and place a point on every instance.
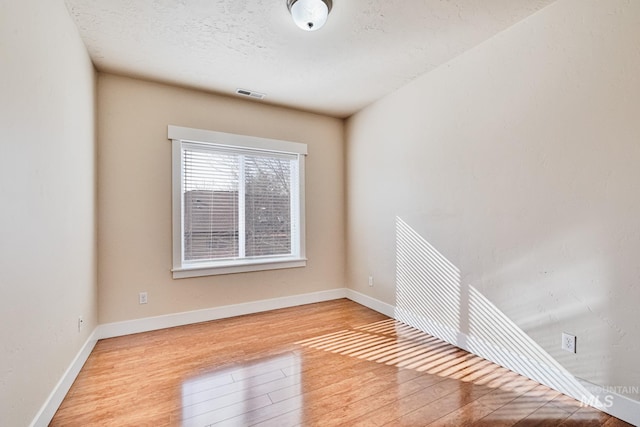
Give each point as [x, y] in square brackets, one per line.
[430, 296]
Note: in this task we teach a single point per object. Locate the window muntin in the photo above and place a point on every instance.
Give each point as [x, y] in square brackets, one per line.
[239, 204]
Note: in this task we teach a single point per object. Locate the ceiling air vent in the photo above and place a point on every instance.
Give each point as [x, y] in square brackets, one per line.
[250, 94]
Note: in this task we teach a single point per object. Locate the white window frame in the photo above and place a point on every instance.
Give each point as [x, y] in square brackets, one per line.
[182, 269]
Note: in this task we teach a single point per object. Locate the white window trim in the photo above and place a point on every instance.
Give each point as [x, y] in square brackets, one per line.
[179, 134]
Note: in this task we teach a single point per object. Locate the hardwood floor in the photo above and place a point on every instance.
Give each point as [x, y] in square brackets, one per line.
[328, 364]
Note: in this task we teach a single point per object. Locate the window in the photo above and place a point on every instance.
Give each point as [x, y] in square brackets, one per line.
[238, 203]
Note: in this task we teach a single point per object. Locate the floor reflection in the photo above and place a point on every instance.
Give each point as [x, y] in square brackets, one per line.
[244, 395]
[394, 343]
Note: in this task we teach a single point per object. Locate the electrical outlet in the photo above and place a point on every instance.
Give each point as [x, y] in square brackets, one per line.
[80, 323]
[569, 342]
[142, 298]
[371, 281]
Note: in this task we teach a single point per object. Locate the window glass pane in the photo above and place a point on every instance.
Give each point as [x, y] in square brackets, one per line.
[267, 206]
[210, 194]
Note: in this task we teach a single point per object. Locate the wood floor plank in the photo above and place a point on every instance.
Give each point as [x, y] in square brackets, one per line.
[394, 411]
[486, 404]
[586, 416]
[464, 394]
[548, 415]
[327, 364]
[519, 408]
[466, 415]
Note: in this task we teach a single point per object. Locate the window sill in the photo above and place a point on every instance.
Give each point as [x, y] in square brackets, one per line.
[237, 267]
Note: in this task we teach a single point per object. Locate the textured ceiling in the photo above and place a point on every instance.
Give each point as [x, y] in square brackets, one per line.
[367, 49]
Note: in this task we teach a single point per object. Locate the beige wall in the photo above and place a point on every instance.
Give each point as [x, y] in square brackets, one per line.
[519, 163]
[134, 190]
[47, 193]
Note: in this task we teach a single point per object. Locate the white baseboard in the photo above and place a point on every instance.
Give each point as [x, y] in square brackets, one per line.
[116, 329]
[372, 303]
[50, 406]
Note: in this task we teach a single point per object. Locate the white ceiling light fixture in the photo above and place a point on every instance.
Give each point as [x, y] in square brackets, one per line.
[310, 15]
